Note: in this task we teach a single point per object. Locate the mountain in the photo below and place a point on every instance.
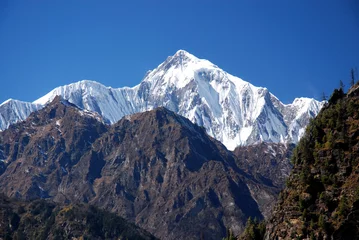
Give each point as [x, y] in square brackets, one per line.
[321, 198]
[42, 219]
[266, 161]
[156, 169]
[231, 110]
[12, 111]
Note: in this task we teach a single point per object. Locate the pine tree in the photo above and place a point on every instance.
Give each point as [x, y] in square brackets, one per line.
[341, 85]
[229, 235]
[352, 77]
[324, 97]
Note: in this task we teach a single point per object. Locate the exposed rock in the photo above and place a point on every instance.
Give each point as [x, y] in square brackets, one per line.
[270, 164]
[156, 169]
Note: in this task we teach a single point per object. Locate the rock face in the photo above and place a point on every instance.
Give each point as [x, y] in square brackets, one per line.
[156, 169]
[321, 198]
[42, 219]
[270, 164]
[231, 110]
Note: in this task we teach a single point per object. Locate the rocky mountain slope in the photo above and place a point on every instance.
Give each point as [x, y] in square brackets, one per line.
[231, 110]
[156, 169]
[42, 219]
[268, 162]
[321, 198]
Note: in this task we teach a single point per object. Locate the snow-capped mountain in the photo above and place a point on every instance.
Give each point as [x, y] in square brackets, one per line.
[232, 110]
[12, 111]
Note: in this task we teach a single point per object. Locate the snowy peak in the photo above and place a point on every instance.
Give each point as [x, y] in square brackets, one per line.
[230, 109]
[307, 103]
[184, 55]
[185, 58]
[176, 72]
[111, 104]
[13, 111]
[71, 91]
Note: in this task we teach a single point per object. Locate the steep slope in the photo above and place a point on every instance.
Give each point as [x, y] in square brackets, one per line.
[41, 150]
[42, 219]
[266, 161]
[269, 163]
[111, 103]
[12, 111]
[156, 169]
[231, 110]
[321, 198]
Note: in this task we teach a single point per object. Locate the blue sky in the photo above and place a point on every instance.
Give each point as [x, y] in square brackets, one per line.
[294, 48]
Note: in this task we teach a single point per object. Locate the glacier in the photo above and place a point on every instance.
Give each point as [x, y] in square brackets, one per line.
[230, 109]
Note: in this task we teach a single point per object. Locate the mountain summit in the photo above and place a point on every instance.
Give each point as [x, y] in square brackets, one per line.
[231, 110]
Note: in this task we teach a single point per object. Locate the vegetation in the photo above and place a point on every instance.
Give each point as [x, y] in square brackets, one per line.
[324, 183]
[254, 230]
[41, 219]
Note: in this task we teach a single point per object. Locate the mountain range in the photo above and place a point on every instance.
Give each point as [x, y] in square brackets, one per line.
[157, 154]
[156, 169]
[231, 110]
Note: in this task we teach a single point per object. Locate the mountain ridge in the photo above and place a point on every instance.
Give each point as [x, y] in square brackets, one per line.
[155, 168]
[231, 110]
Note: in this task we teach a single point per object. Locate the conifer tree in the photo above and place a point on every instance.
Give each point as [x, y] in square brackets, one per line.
[324, 97]
[352, 79]
[341, 85]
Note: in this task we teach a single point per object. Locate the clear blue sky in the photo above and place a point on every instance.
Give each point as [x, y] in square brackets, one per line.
[294, 48]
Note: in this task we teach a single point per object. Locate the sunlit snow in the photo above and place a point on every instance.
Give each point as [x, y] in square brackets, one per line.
[232, 110]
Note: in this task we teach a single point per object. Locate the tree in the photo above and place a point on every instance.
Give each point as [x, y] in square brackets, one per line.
[321, 222]
[254, 230]
[352, 77]
[229, 235]
[343, 207]
[324, 97]
[341, 85]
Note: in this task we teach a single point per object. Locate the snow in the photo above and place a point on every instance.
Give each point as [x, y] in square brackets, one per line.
[12, 111]
[244, 133]
[7, 101]
[231, 110]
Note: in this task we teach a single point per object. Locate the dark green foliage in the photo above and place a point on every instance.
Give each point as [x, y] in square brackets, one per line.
[321, 222]
[229, 235]
[323, 186]
[343, 207]
[41, 219]
[254, 230]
